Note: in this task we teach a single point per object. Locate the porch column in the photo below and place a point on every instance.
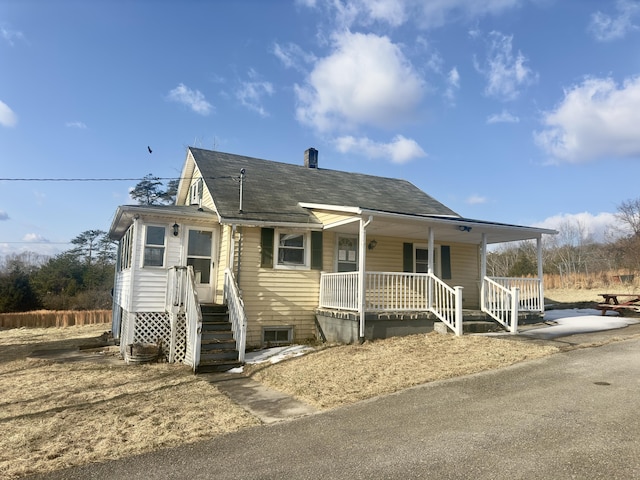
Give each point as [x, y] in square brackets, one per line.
[540, 271]
[362, 258]
[483, 269]
[430, 268]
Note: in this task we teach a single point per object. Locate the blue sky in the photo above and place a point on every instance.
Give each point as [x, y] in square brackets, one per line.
[516, 111]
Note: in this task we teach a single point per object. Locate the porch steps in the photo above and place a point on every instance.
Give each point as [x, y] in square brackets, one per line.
[217, 347]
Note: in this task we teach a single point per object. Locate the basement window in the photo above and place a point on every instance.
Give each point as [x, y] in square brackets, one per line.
[273, 336]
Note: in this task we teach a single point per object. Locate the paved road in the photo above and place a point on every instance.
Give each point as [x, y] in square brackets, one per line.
[571, 415]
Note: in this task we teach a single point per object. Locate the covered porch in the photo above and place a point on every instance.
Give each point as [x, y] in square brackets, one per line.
[369, 294]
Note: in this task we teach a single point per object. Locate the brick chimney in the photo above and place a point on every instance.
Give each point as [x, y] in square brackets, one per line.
[311, 158]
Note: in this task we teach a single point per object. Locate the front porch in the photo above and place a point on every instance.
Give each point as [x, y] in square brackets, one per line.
[395, 304]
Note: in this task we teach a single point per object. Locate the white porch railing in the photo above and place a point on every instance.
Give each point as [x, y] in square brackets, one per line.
[501, 303]
[394, 291]
[531, 296]
[182, 298]
[237, 316]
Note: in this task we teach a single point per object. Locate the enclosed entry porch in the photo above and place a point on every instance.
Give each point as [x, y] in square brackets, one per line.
[449, 287]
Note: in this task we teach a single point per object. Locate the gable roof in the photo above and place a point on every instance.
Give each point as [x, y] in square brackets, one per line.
[273, 191]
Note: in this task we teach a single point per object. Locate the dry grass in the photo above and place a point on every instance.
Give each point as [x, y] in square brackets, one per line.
[55, 415]
[345, 374]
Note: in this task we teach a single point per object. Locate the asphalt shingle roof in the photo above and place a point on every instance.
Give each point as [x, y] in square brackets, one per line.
[273, 190]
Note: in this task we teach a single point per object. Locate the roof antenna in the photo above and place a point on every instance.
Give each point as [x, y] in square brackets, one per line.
[242, 172]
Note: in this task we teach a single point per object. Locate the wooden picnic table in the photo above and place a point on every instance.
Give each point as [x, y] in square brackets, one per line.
[618, 302]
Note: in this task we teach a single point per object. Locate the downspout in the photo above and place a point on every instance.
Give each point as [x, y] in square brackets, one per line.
[239, 255]
[362, 257]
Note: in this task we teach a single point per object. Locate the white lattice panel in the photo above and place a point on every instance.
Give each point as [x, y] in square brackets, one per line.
[152, 327]
[181, 338]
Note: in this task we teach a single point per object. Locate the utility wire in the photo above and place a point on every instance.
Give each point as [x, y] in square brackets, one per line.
[103, 179]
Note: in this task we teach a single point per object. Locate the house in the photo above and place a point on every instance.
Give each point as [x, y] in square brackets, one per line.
[256, 252]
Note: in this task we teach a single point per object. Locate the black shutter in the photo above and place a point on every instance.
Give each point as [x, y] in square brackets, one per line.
[445, 260]
[407, 257]
[266, 244]
[316, 250]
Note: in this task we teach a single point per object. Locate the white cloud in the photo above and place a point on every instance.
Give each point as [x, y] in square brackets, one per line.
[7, 117]
[586, 226]
[292, 56]
[194, 99]
[611, 27]
[79, 125]
[502, 117]
[427, 14]
[34, 238]
[399, 150]
[367, 80]
[505, 72]
[596, 119]
[4, 215]
[435, 13]
[453, 84]
[252, 92]
[476, 200]
[10, 35]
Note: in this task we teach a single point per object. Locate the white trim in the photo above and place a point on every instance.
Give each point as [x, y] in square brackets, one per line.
[163, 246]
[341, 223]
[332, 208]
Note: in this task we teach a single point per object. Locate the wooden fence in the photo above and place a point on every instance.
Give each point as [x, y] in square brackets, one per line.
[52, 318]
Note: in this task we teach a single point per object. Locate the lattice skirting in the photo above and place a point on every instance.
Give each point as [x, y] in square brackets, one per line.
[152, 327]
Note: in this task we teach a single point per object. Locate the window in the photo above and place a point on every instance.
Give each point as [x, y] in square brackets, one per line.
[292, 250]
[195, 192]
[277, 335]
[154, 246]
[347, 254]
[126, 246]
[421, 259]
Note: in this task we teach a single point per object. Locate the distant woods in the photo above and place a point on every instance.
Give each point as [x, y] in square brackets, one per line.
[78, 279]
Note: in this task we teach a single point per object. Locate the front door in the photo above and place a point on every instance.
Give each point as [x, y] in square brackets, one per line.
[199, 256]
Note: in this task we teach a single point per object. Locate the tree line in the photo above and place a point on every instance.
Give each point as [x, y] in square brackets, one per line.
[80, 278]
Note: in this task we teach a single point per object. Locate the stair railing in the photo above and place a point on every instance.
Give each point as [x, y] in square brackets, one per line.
[237, 315]
[501, 303]
[182, 299]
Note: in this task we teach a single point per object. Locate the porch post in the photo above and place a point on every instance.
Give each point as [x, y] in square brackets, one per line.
[430, 268]
[483, 269]
[540, 273]
[362, 287]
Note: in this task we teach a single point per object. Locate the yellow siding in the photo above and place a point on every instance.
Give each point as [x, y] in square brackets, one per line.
[275, 297]
[330, 217]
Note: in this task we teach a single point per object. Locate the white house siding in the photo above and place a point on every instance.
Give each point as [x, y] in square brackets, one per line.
[122, 288]
[151, 282]
[275, 297]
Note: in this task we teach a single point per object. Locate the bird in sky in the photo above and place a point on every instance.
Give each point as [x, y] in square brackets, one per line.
[149, 148]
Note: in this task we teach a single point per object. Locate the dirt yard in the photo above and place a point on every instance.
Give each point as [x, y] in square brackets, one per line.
[62, 411]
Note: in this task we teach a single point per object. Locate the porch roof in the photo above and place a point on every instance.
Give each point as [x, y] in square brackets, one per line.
[446, 229]
[125, 215]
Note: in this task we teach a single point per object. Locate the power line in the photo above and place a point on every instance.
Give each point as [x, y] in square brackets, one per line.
[104, 179]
